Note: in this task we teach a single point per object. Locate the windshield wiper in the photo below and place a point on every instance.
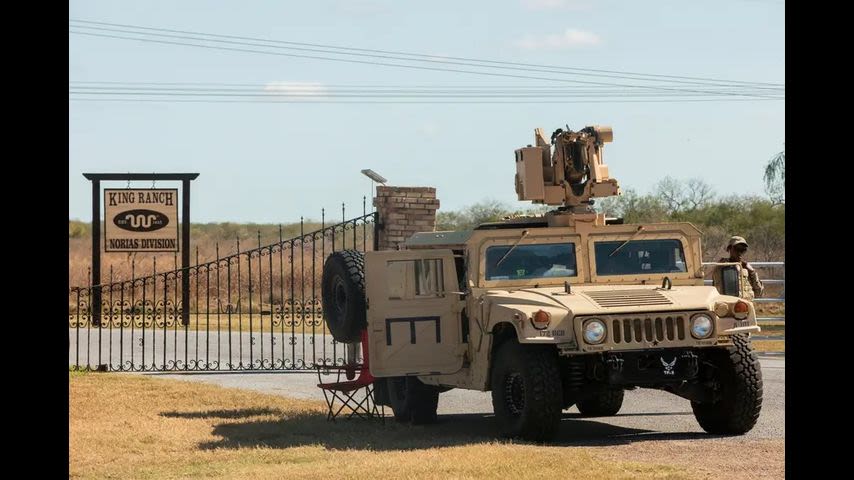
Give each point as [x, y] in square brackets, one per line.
[524, 234]
[640, 229]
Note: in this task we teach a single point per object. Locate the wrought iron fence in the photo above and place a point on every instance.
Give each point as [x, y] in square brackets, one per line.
[257, 309]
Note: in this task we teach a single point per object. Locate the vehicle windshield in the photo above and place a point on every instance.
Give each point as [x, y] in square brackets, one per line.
[639, 257]
[531, 261]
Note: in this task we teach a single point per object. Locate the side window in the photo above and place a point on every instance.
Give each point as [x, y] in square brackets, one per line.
[461, 264]
[408, 279]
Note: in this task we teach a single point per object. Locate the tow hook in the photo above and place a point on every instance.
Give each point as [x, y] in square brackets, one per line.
[693, 361]
[615, 363]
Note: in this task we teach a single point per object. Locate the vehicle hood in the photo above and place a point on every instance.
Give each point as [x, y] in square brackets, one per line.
[607, 299]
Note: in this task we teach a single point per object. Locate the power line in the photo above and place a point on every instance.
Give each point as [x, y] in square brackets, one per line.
[430, 102]
[396, 92]
[283, 88]
[347, 60]
[425, 56]
[305, 92]
[309, 84]
[392, 94]
[203, 39]
[244, 95]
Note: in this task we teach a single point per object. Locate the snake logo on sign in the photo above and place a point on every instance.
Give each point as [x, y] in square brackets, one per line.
[141, 220]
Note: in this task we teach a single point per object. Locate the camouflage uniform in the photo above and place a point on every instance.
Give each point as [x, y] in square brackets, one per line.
[751, 285]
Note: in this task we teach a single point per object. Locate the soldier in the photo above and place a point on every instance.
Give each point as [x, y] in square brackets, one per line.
[752, 286]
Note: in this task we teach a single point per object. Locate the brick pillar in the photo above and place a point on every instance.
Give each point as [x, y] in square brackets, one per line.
[403, 211]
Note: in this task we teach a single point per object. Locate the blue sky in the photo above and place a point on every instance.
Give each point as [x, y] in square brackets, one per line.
[275, 162]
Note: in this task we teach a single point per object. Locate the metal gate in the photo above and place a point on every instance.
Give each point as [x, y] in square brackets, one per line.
[258, 309]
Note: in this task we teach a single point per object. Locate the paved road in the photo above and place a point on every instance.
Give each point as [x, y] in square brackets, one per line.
[646, 414]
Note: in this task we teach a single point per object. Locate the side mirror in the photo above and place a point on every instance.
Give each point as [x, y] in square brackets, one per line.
[730, 281]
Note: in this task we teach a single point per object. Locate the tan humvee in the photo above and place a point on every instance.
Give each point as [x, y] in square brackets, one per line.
[566, 309]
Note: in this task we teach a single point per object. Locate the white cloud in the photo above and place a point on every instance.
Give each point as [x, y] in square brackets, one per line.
[556, 4]
[568, 39]
[296, 89]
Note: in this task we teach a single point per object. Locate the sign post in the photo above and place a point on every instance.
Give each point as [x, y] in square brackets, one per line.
[140, 220]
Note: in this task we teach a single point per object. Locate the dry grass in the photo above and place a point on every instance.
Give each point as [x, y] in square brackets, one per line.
[773, 330]
[769, 345]
[712, 459]
[774, 309]
[206, 241]
[128, 426]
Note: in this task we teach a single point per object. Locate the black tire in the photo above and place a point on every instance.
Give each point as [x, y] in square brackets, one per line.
[604, 404]
[412, 401]
[738, 378]
[425, 402]
[398, 399]
[526, 391]
[343, 293]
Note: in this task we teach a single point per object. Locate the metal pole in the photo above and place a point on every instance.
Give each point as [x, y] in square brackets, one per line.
[185, 253]
[96, 253]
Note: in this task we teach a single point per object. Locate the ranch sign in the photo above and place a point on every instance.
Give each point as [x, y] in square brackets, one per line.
[141, 220]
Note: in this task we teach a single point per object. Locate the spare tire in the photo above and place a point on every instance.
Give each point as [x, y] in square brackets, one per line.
[343, 293]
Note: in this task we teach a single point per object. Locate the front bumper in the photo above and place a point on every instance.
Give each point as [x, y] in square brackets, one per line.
[660, 366]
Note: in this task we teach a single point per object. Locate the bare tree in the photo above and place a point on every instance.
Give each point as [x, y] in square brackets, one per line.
[671, 192]
[714, 243]
[768, 244]
[775, 178]
[698, 194]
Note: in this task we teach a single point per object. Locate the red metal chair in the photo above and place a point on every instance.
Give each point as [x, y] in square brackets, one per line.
[357, 394]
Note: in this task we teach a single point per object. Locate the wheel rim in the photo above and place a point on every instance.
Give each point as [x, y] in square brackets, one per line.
[514, 393]
[339, 295]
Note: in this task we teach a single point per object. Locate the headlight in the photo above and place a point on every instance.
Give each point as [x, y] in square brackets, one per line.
[594, 331]
[701, 326]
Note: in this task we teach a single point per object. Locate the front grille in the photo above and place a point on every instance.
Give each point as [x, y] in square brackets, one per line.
[628, 298]
[640, 330]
